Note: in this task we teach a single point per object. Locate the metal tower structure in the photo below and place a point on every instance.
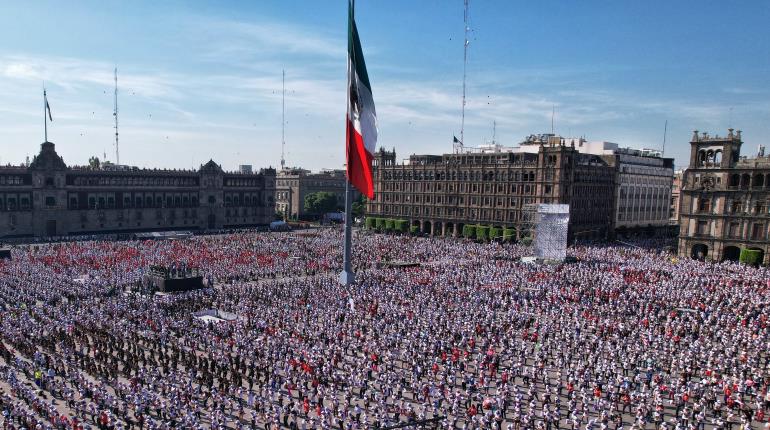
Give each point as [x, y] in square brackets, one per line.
[283, 119]
[465, 66]
[115, 114]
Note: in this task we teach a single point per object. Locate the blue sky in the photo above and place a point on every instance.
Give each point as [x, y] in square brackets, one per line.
[202, 80]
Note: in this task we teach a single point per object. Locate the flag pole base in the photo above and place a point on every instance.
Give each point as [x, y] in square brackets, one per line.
[347, 278]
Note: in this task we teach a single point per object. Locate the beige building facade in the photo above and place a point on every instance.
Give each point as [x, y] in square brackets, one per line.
[725, 200]
[294, 184]
[439, 194]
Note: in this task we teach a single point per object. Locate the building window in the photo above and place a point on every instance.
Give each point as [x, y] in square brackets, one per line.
[734, 229]
[50, 201]
[704, 205]
[703, 228]
[758, 231]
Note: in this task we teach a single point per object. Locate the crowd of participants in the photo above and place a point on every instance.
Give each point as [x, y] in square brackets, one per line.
[474, 338]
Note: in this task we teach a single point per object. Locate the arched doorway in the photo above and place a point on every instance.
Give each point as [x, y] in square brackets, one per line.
[449, 229]
[699, 251]
[414, 226]
[731, 253]
[426, 227]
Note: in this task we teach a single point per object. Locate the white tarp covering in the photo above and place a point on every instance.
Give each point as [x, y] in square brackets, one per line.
[551, 231]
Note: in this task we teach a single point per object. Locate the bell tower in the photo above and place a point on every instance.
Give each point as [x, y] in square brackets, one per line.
[715, 152]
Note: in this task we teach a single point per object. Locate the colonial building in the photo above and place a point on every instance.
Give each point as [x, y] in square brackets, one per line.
[676, 191]
[293, 185]
[493, 186]
[724, 200]
[49, 198]
[643, 180]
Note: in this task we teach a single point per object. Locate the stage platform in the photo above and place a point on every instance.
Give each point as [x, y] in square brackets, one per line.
[165, 281]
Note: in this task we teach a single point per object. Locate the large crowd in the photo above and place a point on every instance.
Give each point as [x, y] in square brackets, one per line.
[472, 338]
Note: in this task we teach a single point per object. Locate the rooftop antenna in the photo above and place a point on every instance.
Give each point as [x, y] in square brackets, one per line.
[494, 132]
[115, 114]
[283, 119]
[665, 131]
[465, 65]
[553, 113]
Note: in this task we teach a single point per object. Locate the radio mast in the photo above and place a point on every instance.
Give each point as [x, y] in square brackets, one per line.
[465, 64]
[283, 119]
[115, 114]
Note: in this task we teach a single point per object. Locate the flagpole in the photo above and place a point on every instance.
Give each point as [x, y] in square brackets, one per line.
[45, 119]
[347, 277]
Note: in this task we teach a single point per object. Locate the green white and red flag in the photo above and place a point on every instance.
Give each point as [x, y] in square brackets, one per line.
[361, 122]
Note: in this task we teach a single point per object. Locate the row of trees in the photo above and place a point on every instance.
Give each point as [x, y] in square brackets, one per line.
[390, 225]
[476, 232]
[485, 233]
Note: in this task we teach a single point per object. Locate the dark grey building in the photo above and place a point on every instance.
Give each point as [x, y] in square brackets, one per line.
[49, 198]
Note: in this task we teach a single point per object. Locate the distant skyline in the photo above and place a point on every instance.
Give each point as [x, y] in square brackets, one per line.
[202, 80]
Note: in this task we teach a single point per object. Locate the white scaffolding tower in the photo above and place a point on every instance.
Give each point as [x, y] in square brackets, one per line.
[547, 226]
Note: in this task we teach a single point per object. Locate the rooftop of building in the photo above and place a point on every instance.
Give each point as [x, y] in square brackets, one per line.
[300, 172]
[49, 159]
[732, 135]
[532, 144]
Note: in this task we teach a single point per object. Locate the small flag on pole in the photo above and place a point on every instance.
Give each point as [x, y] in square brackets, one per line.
[456, 140]
[47, 106]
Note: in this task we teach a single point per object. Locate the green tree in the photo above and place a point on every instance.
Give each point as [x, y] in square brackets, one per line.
[369, 223]
[320, 203]
[94, 162]
[469, 231]
[494, 233]
[509, 234]
[389, 224]
[752, 257]
[359, 207]
[482, 232]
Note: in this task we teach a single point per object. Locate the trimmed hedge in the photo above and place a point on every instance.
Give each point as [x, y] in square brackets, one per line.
[509, 234]
[469, 231]
[526, 240]
[414, 229]
[389, 224]
[494, 233]
[751, 257]
[482, 232]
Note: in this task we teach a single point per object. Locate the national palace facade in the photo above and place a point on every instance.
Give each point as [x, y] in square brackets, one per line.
[725, 200]
[47, 198]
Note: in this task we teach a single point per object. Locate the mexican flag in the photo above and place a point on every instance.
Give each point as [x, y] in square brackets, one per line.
[361, 122]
